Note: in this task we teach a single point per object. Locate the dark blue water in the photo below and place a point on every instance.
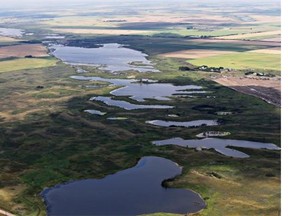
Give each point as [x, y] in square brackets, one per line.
[133, 191]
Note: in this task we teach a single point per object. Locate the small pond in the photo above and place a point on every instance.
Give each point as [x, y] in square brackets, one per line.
[196, 123]
[140, 91]
[220, 145]
[134, 191]
[95, 112]
[126, 105]
[111, 57]
[11, 32]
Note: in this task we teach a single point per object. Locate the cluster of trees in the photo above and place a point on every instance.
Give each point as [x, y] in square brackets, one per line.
[203, 68]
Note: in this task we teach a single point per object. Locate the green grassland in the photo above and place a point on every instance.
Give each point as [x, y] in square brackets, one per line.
[242, 60]
[25, 63]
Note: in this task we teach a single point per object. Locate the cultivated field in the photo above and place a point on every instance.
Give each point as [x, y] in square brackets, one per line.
[275, 44]
[255, 35]
[244, 60]
[195, 53]
[268, 51]
[7, 39]
[268, 90]
[35, 50]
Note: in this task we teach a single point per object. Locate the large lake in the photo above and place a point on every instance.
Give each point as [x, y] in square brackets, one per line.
[220, 145]
[134, 191]
[140, 91]
[111, 57]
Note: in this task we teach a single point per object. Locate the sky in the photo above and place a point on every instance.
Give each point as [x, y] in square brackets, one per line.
[56, 3]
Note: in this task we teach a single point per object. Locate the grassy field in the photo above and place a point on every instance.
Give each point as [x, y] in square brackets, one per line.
[243, 60]
[25, 63]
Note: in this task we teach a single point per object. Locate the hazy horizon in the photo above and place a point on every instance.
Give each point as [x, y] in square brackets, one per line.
[15, 4]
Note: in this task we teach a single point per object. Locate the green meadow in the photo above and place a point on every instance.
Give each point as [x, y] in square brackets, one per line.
[242, 61]
[25, 63]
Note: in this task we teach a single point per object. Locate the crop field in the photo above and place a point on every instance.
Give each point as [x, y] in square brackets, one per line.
[103, 31]
[194, 53]
[267, 51]
[269, 90]
[252, 35]
[244, 60]
[36, 50]
[7, 39]
[268, 44]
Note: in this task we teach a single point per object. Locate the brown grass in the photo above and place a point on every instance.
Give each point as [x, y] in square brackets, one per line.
[232, 199]
[23, 50]
[195, 53]
[268, 51]
[266, 19]
[274, 39]
[7, 194]
[268, 90]
[7, 39]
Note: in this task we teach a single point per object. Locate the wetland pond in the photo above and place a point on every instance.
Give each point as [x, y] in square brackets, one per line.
[111, 57]
[219, 145]
[195, 123]
[134, 191]
[95, 112]
[126, 105]
[140, 91]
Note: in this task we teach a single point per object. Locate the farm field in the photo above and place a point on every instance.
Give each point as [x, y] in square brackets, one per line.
[103, 31]
[194, 53]
[268, 90]
[34, 50]
[244, 60]
[7, 39]
[252, 35]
